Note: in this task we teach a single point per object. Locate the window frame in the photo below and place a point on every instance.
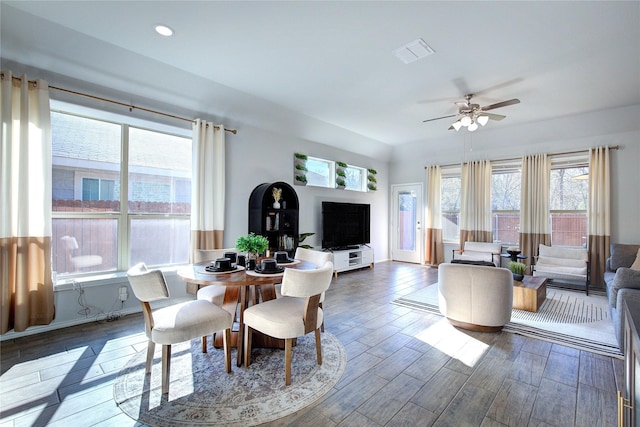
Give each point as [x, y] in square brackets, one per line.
[450, 173]
[573, 161]
[123, 218]
[498, 168]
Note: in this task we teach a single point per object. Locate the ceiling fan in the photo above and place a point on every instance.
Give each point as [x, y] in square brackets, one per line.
[470, 115]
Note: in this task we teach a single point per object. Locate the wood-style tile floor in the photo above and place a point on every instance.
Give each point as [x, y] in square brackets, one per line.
[405, 368]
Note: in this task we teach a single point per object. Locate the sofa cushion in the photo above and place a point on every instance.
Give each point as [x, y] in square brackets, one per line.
[625, 278]
[622, 255]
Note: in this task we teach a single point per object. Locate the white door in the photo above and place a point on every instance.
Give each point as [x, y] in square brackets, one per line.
[406, 227]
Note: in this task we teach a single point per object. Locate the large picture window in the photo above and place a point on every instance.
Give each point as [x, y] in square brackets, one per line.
[450, 207]
[569, 192]
[109, 214]
[505, 205]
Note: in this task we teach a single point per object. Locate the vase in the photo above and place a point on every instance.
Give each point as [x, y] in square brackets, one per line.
[518, 277]
[276, 205]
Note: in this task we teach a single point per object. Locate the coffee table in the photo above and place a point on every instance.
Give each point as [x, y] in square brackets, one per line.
[530, 293]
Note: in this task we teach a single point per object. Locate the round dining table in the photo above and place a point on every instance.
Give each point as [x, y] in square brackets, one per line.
[243, 287]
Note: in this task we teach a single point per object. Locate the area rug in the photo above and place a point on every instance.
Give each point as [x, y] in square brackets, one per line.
[566, 317]
[201, 393]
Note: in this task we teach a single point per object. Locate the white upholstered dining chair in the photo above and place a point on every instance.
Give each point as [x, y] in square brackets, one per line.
[176, 323]
[295, 314]
[214, 294]
[317, 258]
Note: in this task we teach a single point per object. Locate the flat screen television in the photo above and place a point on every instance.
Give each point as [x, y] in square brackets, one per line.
[345, 225]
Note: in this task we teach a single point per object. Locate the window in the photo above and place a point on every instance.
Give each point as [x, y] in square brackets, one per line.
[115, 213]
[320, 172]
[505, 205]
[450, 207]
[98, 189]
[569, 198]
[356, 178]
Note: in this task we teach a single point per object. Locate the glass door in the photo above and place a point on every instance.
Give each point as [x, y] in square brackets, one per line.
[407, 223]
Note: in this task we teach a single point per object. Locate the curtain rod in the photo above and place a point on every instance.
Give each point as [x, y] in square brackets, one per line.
[562, 153]
[122, 104]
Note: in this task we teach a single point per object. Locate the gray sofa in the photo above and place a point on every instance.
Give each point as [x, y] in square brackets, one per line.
[622, 283]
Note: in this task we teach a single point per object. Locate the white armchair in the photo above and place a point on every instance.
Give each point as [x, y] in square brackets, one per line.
[479, 251]
[475, 297]
[563, 265]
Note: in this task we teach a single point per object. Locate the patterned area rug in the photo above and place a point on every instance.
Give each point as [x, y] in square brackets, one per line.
[201, 393]
[566, 317]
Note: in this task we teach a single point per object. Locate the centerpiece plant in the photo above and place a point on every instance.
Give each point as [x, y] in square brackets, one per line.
[517, 269]
[253, 244]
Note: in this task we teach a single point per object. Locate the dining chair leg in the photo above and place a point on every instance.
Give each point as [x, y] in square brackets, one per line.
[151, 348]
[247, 346]
[166, 367]
[321, 326]
[204, 343]
[288, 344]
[318, 347]
[226, 345]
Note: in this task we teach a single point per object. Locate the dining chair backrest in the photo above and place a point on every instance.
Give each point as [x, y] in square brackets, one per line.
[315, 257]
[202, 255]
[306, 283]
[147, 285]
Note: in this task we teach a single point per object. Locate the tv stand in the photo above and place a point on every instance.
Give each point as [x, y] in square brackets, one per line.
[353, 258]
[345, 248]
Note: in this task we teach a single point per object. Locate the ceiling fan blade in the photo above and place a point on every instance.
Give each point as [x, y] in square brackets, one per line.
[438, 118]
[493, 116]
[500, 104]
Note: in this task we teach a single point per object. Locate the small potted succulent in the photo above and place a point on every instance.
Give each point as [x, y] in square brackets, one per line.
[517, 269]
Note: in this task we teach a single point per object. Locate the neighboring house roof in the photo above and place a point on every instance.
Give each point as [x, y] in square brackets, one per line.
[97, 141]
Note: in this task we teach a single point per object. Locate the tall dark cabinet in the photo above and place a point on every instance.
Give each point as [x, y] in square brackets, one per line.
[279, 224]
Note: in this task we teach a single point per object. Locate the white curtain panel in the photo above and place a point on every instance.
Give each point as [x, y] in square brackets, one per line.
[475, 202]
[534, 204]
[207, 186]
[434, 253]
[25, 196]
[599, 214]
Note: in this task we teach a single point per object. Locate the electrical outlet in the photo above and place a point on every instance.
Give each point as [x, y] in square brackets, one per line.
[122, 293]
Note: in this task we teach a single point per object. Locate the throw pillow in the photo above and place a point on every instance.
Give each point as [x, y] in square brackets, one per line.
[636, 263]
[625, 278]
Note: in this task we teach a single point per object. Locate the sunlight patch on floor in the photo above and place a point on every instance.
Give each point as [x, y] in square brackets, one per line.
[453, 342]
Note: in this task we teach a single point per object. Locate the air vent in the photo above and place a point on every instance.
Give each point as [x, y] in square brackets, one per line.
[413, 51]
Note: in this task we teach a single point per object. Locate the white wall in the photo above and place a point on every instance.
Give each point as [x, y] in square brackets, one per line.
[253, 157]
[619, 126]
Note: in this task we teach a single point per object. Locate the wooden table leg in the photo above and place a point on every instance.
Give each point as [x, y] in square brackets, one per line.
[243, 305]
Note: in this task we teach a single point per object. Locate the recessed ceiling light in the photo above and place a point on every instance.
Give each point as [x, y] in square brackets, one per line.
[163, 30]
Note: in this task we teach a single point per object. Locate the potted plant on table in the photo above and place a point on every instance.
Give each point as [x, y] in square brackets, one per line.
[517, 269]
[253, 244]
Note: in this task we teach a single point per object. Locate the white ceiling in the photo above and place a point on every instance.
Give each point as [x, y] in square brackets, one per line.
[331, 63]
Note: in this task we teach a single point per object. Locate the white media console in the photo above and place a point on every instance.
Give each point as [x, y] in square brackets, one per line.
[352, 259]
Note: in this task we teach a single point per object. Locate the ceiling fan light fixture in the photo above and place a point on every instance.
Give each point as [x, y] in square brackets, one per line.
[473, 126]
[466, 121]
[483, 120]
[457, 125]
